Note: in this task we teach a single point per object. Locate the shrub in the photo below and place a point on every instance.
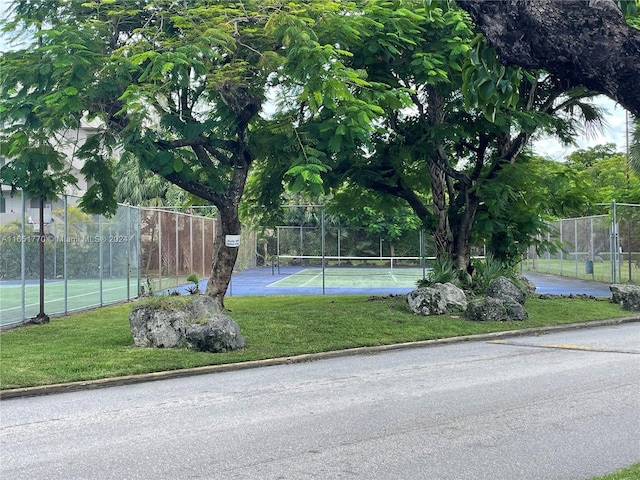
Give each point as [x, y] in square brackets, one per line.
[488, 270]
[443, 271]
[195, 288]
[485, 271]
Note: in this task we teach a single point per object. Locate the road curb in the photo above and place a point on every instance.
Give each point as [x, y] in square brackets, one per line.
[310, 357]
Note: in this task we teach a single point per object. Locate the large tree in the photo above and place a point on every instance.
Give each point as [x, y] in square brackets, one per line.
[584, 42]
[441, 155]
[178, 86]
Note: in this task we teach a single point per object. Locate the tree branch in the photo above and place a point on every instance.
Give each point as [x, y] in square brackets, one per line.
[404, 193]
[194, 187]
[586, 43]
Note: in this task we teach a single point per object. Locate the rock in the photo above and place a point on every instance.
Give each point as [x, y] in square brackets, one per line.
[486, 309]
[196, 323]
[504, 289]
[627, 296]
[526, 285]
[201, 306]
[219, 335]
[489, 309]
[153, 327]
[437, 299]
[515, 311]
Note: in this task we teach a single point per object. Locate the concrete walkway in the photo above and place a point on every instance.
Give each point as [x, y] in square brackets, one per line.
[556, 285]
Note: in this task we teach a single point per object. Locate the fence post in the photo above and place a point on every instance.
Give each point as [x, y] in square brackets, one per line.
[177, 247]
[65, 270]
[301, 241]
[278, 246]
[23, 269]
[322, 245]
[203, 261]
[575, 240]
[128, 252]
[421, 253]
[159, 250]
[110, 250]
[191, 242]
[629, 246]
[614, 244]
[139, 250]
[562, 248]
[591, 248]
[100, 255]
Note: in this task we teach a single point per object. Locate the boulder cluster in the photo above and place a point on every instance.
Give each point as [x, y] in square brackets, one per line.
[196, 324]
[627, 296]
[504, 300]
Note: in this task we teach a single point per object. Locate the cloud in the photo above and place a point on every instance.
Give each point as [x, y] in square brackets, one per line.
[614, 132]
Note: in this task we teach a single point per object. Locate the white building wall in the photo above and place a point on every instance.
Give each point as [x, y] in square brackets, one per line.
[70, 141]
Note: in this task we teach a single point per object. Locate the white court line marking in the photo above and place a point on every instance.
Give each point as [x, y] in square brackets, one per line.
[62, 298]
[301, 272]
[310, 280]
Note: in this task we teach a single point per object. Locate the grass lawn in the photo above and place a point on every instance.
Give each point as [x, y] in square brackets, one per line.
[98, 343]
[629, 473]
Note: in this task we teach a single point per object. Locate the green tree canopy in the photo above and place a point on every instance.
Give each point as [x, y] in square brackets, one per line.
[453, 119]
[608, 174]
[180, 87]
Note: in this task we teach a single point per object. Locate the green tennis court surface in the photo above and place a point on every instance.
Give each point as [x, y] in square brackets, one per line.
[352, 277]
[82, 293]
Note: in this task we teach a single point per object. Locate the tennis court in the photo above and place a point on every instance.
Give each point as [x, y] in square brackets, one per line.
[295, 280]
[81, 293]
[346, 277]
[291, 280]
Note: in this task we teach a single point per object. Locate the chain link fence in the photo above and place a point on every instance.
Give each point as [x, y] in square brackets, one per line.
[92, 260]
[308, 236]
[603, 248]
[340, 251]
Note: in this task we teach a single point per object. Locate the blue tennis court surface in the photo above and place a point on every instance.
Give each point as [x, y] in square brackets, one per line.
[304, 281]
[309, 281]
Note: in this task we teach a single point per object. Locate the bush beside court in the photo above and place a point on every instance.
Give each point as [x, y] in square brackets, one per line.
[98, 343]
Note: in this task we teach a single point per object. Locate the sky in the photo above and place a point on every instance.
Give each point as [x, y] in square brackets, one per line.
[614, 132]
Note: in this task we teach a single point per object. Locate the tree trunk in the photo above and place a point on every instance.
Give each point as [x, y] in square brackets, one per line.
[461, 218]
[584, 42]
[441, 234]
[224, 257]
[462, 253]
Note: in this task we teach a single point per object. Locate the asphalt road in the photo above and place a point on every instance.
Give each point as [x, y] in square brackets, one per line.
[558, 406]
